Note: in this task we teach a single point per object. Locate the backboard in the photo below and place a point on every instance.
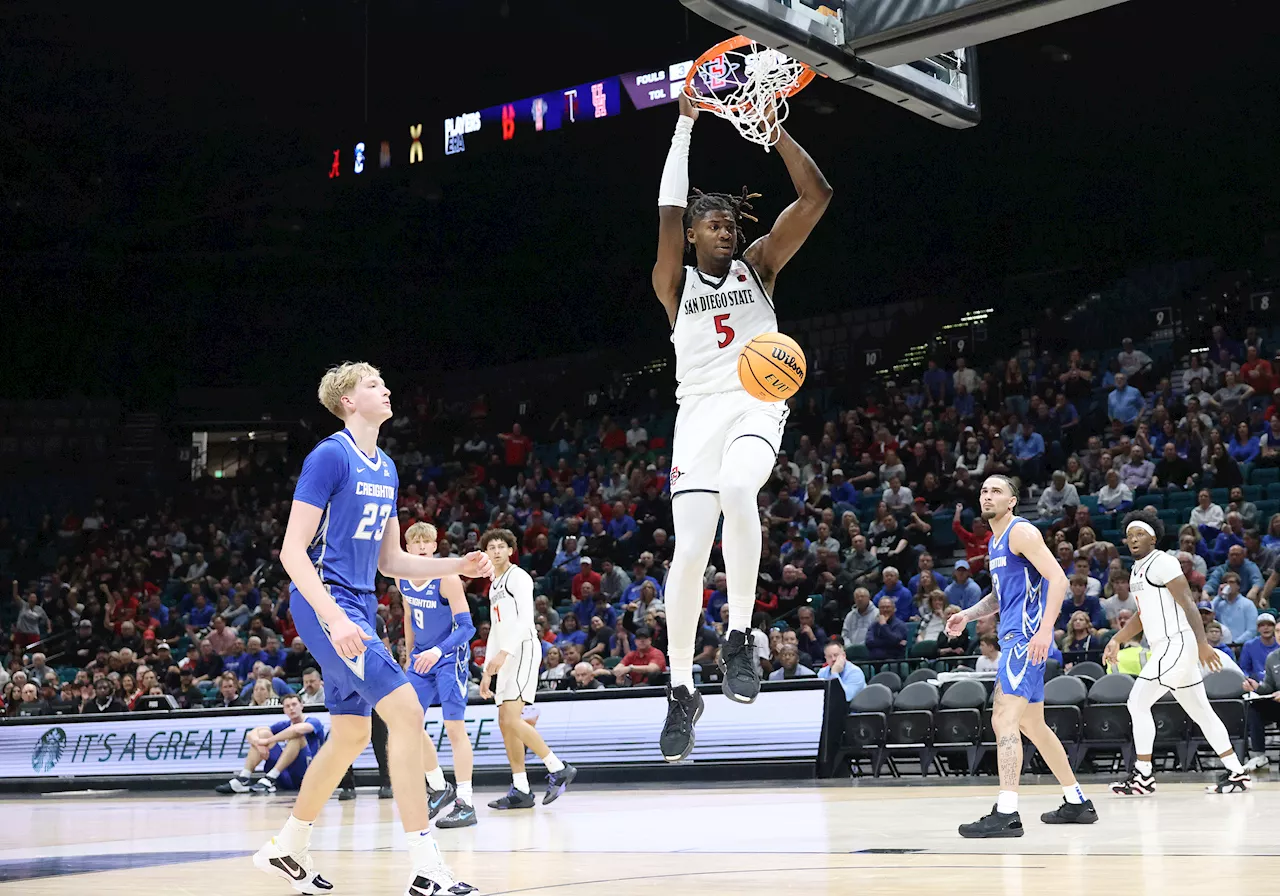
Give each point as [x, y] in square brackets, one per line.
[917, 54]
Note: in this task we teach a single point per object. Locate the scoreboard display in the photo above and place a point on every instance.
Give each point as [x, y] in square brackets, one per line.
[516, 121]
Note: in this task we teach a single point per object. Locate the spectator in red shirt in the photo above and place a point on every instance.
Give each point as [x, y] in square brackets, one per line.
[587, 574]
[1257, 372]
[975, 542]
[517, 446]
[644, 661]
[480, 644]
[536, 527]
[615, 439]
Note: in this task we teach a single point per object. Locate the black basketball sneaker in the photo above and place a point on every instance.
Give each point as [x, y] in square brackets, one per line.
[684, 708]
[1231, 782]
[1072, 813]
[515, 799]
[741, 682]
[997, 824]
[438, 799]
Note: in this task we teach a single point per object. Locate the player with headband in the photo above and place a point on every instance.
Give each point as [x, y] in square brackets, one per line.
[1179, 652]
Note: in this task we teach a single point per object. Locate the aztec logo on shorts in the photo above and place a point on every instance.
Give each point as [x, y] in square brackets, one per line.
[675, 475]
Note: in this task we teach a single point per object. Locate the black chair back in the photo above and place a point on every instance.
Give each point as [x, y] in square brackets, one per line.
[891, 680]
[920, 695]
[922, 675]
[965, 695]
[1089, 670]
[1065, 691]
[1113, 688]
[873, 698]
[1225, 684]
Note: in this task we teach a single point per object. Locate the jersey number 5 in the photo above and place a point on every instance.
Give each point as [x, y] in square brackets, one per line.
[373, 514]
[723, 329]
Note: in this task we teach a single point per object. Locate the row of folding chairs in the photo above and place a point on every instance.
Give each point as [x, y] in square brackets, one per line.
[947, 728]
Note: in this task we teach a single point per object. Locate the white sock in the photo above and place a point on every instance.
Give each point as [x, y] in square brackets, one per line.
[520, 781]
[553, 763]
[274, 773]
[464, 792]
[1232, 762]
[245, 772]
[683, 679]
[295, 837]
[1143, 767]
[1007, 802]
[1073, 794]
[423, 851]
[435, 778]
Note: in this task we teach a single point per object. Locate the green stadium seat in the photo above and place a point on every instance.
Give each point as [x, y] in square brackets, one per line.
[1089, 501]
[66, 673]
[1181, 501]
[857, 653]
[1172, 518]
[1268, 476]
[611, 661]
[1220, 496]
[1155, 500]
[1254, 493]
[924, 650]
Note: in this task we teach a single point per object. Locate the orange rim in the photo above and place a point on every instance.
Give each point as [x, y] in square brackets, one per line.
[737, 42]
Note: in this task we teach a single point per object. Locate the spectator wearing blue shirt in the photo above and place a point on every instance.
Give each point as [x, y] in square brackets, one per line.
[887, 636]
[1236, 612]
[841, 492]
[201, 616]
[1078, 599]
[1253, 656]
[851, 678]
[719, 597]
[570, 632]
[568, 559]
[623, 529]
[1244, 446]
[1247, 574]
[253, 653]
[594, 604]
[1028, 454]
[279, 685]
[935, 385]
[1125, 403]
[631, 594]
[964, 403]
[925, 564]
[964, 591]
[894, 590]
[276, 655]
[1229, 537]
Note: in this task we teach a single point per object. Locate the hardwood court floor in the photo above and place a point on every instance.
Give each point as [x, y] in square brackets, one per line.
[832, 839]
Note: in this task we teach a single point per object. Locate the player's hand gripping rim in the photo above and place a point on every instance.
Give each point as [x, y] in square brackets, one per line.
[348, 638]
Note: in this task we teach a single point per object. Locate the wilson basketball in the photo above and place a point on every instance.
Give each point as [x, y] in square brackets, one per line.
[772, 367]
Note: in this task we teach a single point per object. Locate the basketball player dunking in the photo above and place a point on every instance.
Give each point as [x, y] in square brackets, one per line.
[342, 529]
[1179, 651]
[726, 441]
[1024, 577]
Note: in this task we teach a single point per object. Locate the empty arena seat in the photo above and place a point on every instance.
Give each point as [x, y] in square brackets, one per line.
[1052, 669]
[1087, 670]
[958, 721]
[923, 674]
[1264, 476]
[866, 726]
[911, 727]
[1064, 700]
[1225, 691]
[1172, 728]
[1107, 724]
[891, 680]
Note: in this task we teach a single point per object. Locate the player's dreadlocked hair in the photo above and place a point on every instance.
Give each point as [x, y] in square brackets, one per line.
[739, 207]
[1146, 515]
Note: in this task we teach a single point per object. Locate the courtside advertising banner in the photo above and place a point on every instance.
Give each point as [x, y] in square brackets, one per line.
[782, 725]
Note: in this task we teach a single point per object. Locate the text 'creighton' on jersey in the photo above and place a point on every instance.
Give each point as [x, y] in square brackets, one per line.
[714, 320]
[358, 496]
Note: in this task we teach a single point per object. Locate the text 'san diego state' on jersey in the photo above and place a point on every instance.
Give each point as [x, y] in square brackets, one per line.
[715, 319]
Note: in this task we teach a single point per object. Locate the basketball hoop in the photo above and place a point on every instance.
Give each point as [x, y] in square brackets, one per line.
[748, 85]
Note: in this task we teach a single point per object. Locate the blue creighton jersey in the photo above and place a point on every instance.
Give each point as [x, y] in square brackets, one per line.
[429, 614]
[358, 495]
[1018, 586]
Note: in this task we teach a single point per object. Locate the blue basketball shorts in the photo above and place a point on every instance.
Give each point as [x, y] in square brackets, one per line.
[1017, 675]
[352, 687]
[444, 685]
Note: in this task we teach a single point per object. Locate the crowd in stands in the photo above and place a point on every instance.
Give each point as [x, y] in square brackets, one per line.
[871, 537]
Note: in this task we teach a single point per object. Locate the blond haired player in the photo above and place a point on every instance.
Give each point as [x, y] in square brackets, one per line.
[438, 626]
[342, 529]
[726, 441]
[514, 654]
[1179, 650]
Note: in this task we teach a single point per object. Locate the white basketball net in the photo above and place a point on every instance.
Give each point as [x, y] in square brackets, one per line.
[749, 88]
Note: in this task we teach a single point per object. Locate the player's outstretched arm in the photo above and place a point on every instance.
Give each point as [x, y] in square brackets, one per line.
[771, 252]
[673, 197]
[395, 563]
[1025, 540]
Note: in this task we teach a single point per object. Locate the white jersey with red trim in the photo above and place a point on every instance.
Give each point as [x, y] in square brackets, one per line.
[715, 319]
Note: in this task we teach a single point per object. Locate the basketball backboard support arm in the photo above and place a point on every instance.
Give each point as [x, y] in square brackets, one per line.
[900, 50]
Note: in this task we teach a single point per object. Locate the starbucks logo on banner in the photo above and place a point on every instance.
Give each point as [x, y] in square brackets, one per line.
[48, 749]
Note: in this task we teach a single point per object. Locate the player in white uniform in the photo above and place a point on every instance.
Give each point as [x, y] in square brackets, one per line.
[514, 655]
[1177, 650]
[726, 442]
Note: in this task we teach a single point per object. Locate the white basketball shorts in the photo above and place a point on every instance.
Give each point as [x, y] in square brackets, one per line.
[706, 425]
[1174, 664]
[518, 677]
